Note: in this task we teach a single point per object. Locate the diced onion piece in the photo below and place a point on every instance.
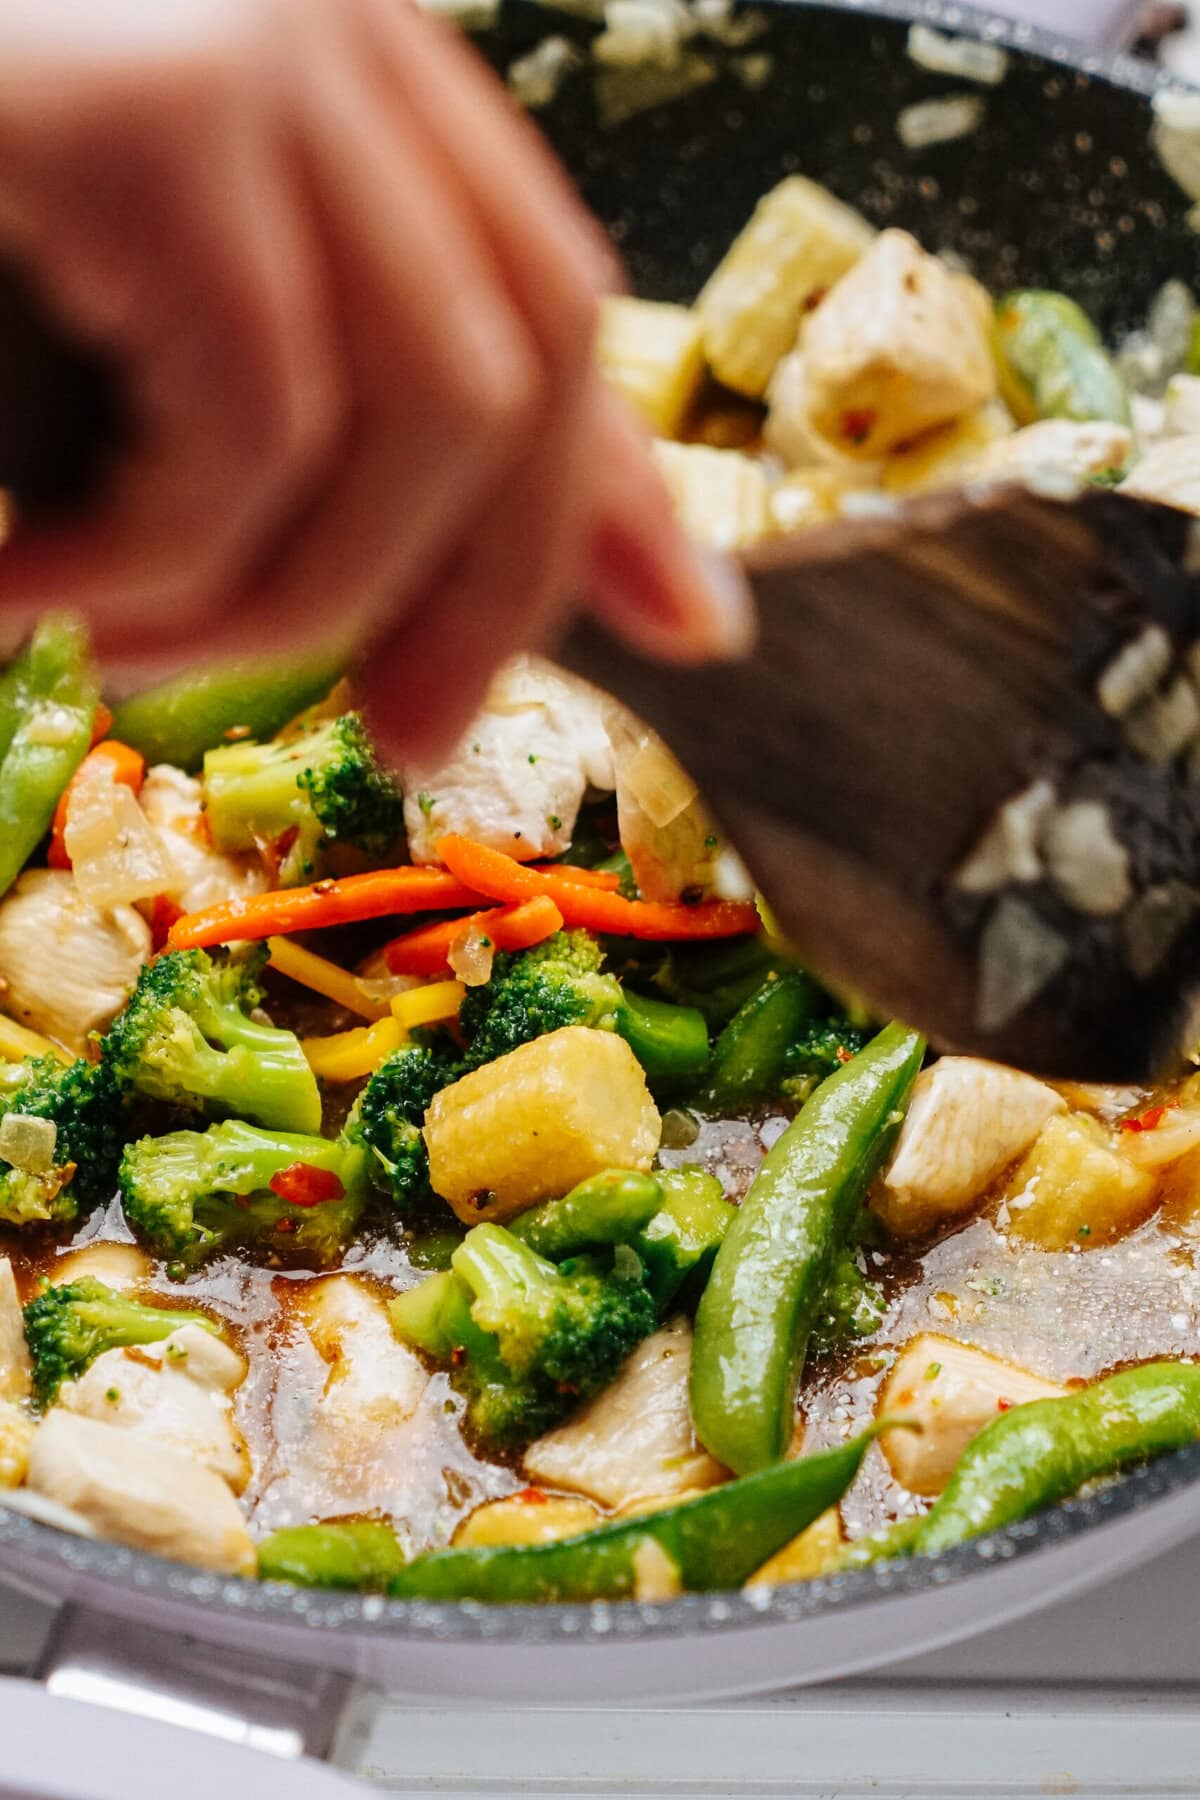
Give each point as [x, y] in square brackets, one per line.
[659, 784]
[471, 955]
[116, 854]
[28, 1143]
[432, 1004]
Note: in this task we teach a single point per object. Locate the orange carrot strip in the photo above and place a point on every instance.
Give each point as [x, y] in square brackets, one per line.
[128, 769]
[498, 876]
[593, 878]
[426, 951]
[344, 902]
[102, 723]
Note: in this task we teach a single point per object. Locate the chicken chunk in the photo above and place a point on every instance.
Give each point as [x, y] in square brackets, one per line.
[177, 1392]
[720, 497]
[1170, 472]
[951, 1391]
[67, 968]
[118, 1266]
[636, 1438]
[1051, 448]
[173, 803]
[517, 778]
[899, 345]
[14, 1353]
[140, 1493]
[375, 1383]
[968, 1120]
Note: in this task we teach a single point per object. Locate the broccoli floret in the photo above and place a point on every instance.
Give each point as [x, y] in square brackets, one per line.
[388, 1115]
[535, 991]
[851, 1306]
[301, 793]
[68, 1327]
[820, 1049]
[191, 1193]
[187, 1037]
[525, 1338]
[82, 1102]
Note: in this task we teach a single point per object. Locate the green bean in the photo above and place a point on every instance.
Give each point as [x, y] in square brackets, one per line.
[750, 1056]
[181, 719]
[352, 1553]
[1042, 1452]
[1051, 362]
[670, 1042]
[47, 710]
[713, 1541]
[764, 1295]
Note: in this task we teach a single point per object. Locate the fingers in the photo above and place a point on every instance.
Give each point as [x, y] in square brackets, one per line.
[643, 577]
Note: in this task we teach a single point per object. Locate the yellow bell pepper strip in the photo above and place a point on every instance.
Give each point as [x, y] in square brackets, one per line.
[433, 1004]
[323, 977]
[345, 902]
[347, 1055]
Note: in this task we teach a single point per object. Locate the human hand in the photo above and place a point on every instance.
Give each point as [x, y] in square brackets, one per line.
[352, 300]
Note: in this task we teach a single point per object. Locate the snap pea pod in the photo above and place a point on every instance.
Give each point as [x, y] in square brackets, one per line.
[1036, 1454]
[609, 1208]
[670, 1041]
[765, 1291]
[1051, 362]
[179, 720]
[713, 1541]
[47, 709]
[892, 1541]
[749, 1057]
[352, 1553]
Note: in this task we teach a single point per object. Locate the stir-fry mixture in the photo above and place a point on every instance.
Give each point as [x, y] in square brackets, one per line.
[448, 1184]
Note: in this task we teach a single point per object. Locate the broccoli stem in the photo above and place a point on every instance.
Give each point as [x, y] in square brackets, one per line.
[610, 1208]
[670, 1041]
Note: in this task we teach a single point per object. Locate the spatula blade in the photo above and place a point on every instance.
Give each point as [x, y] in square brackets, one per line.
[973, 664]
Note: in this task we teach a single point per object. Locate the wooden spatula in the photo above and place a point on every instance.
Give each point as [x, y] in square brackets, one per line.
[963, 763]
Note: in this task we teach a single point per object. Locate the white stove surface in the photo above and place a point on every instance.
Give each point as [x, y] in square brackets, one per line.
[1095, 1698]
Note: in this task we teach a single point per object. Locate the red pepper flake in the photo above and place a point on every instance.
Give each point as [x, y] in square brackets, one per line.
[162, 915]
[531, 1497]
[234, 734]
[858, 423]
[286, 1225]
[1003, 1405]
[843, 1055]
[302, 1184]
[1153, 1115]
[458, 1357]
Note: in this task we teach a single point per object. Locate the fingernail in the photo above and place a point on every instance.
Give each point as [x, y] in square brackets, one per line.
[728, 622]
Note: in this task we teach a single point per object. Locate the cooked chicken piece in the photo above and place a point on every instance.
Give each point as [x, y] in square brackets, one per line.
[968, 1120]
[527, 1518]
[375, 1383]
[517, 778]
[116, 1265]
[1052, 448]
[140, 1493]
[16, 1439]
[898, 345]
[14, 1353]
[951, 1391]
[177, 1392]
[1170, 472]
[807, 1556]
[636, 1438]
[173, 803]
[66, 967]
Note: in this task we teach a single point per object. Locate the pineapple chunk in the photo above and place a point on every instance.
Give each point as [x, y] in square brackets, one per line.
[654, 355]
[529, 1518]
[949, 454]
[799, 241]
[531, 1124]
[720, 496]
[951, 1391]
[16, 1440]
[807, 1556]
[900, 345]
[1073, 1188]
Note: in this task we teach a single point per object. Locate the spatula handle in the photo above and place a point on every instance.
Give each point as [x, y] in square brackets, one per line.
[59, 408]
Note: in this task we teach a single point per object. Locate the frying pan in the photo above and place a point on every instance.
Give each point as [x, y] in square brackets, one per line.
[1058, 186]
